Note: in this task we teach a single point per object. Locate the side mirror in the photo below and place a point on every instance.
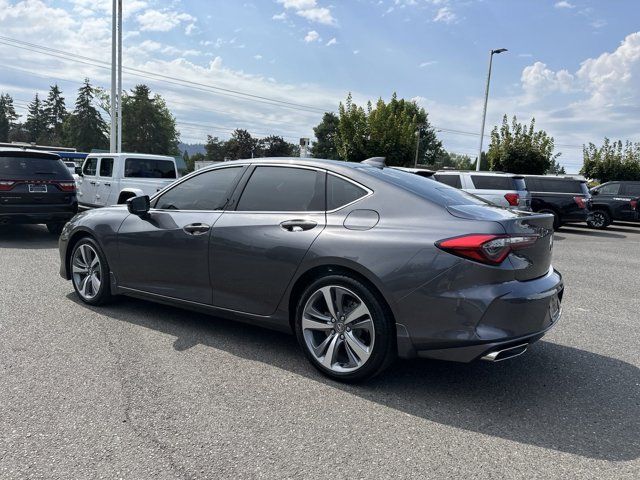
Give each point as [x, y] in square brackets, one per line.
[595, 192]
[79, 171]
[139, 205]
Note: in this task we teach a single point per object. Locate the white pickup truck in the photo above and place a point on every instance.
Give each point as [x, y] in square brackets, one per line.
[112, 178]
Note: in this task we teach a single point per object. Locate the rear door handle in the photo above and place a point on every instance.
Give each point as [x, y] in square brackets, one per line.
[107, 184]
[196, 228]
[92, 183]
[298, 225]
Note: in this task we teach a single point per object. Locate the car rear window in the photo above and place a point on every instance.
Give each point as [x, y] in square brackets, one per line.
[493, 182]
[14, 167]
[149, 168]
[451, 180]
[556, 185]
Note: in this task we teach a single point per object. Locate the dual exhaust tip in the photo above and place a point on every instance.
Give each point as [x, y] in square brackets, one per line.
[505, 353]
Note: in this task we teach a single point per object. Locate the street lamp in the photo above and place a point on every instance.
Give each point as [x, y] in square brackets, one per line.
[486, 99]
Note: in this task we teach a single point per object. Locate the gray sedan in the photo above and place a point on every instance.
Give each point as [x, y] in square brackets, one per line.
[362, 262]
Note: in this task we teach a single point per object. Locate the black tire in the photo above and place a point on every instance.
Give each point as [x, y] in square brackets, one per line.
[103, 293]
[55, 228]
[383, 352]
[599, 219]
[556, 218]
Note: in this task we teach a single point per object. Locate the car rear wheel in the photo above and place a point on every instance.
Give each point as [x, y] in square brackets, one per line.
[599, 219]
[90, 272]
[344, 330]
[55, 228]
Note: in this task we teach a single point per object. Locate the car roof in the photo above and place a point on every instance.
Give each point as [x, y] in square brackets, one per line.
[131, 155]
[476, 172]
[558, 177]
[24, 152]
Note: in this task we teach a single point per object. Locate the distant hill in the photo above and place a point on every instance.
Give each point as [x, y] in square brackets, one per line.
[191, 148]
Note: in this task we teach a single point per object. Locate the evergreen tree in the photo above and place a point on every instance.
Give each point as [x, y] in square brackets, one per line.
[326, 136]
[55, 113]
[147, 124]
[85, 129]
[36, 124]
[216, 149]
[275, 146]
[8, 117]
[242, 145]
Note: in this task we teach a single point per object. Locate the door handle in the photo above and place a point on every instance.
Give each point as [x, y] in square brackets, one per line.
[92, 183]
[298, 225]
[196, 228]
[107, 184]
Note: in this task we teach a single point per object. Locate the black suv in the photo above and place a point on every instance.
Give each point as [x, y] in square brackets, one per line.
[566, 198]
[614, 201]
[36, 187]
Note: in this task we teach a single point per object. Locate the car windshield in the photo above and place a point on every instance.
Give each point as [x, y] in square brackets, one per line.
[14, 167]
[433, 191]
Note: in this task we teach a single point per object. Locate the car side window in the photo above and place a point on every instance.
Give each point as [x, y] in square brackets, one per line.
[451, 180]
[206, 191]
[283, 189]
[492, 182]
[90, 166]
[632, 189]
[341, 192]
[610, 189]
[149, 168]
[106, 167]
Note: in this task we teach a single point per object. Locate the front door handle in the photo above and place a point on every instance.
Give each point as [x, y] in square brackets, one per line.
[196, 228]
[298, 225]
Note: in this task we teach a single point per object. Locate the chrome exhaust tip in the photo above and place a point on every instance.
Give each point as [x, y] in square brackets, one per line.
[505, 353]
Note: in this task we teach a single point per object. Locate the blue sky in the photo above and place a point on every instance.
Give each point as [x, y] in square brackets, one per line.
[574, 65]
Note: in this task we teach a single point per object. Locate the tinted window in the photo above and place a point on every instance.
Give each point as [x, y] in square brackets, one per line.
[106, 167]
[556, 185]
[610, 189]
[207, 191]
[632, 189]
[90, 166]
[149, 168]
[340, 192]
[283, 189]
[492, 182]
[451, 180]
[32, 167]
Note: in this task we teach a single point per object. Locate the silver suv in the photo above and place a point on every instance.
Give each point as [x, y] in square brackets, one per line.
[504, 189]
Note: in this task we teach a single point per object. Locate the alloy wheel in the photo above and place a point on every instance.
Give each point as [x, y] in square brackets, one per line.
[86, 271]
[597, 219]
[338, 329]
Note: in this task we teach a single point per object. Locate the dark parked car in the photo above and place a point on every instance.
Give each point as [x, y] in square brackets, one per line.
[614, 201]
[361, 261]
[566, 198]
[36, 187]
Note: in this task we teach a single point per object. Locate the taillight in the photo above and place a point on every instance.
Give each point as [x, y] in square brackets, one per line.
[6, 185]
[580, 202]
[512, 198]
[67, 186]
[484, 248]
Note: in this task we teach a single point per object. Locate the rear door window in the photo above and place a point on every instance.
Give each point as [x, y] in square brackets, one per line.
[632, 189]
[447, 179]
[149, 168]
[492, 182]
[283, 189]
[90, 166]
[106, 167]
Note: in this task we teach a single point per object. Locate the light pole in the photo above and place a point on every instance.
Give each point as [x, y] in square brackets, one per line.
[486, 99]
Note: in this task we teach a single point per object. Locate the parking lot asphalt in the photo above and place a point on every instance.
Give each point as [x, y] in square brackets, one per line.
[139, 390]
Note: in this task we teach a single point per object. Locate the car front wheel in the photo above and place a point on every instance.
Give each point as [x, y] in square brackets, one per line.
[344, 330]
[90, 272]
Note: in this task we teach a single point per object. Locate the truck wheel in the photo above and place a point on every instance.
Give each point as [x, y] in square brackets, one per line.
[599, 219]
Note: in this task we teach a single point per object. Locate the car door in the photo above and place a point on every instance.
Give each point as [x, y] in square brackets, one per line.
[257, 246]
[609, 196]
[87, 184]
[104, 192]
[166, 252]
[630, 192]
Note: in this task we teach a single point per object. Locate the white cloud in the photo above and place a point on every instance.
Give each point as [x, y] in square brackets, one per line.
[598, 23]
[427, 64]
[280, 16]
[538, 79]
[310, 10]
[162, 21]
[564, 4]
[356, 52]
[445, 15]
[312, 36]
[333, 41]
[258, 57]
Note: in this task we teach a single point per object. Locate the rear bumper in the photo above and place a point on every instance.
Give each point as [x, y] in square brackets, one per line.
[50, 215]
[465, 325]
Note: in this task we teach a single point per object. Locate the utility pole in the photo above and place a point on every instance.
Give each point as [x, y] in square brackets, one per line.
[112, 130]
[119, 147]
[486, 99]
[415, 163]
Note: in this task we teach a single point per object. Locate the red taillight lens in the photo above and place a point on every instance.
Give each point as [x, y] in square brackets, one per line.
[489, 249]
[512, 198]
[67, 186]
[6, 185]
[580, 202]
[634, 204]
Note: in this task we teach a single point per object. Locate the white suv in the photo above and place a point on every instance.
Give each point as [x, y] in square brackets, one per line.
[504, 189]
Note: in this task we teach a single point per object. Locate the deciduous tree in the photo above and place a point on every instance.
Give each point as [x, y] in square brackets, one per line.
[612, 161]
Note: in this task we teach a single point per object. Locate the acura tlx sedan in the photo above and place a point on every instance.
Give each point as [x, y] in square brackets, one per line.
[362, 261]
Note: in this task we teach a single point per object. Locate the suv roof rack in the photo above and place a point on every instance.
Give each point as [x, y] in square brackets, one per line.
[378, 162]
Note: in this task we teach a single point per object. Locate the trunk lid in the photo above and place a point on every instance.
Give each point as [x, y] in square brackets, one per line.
[531, 261]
